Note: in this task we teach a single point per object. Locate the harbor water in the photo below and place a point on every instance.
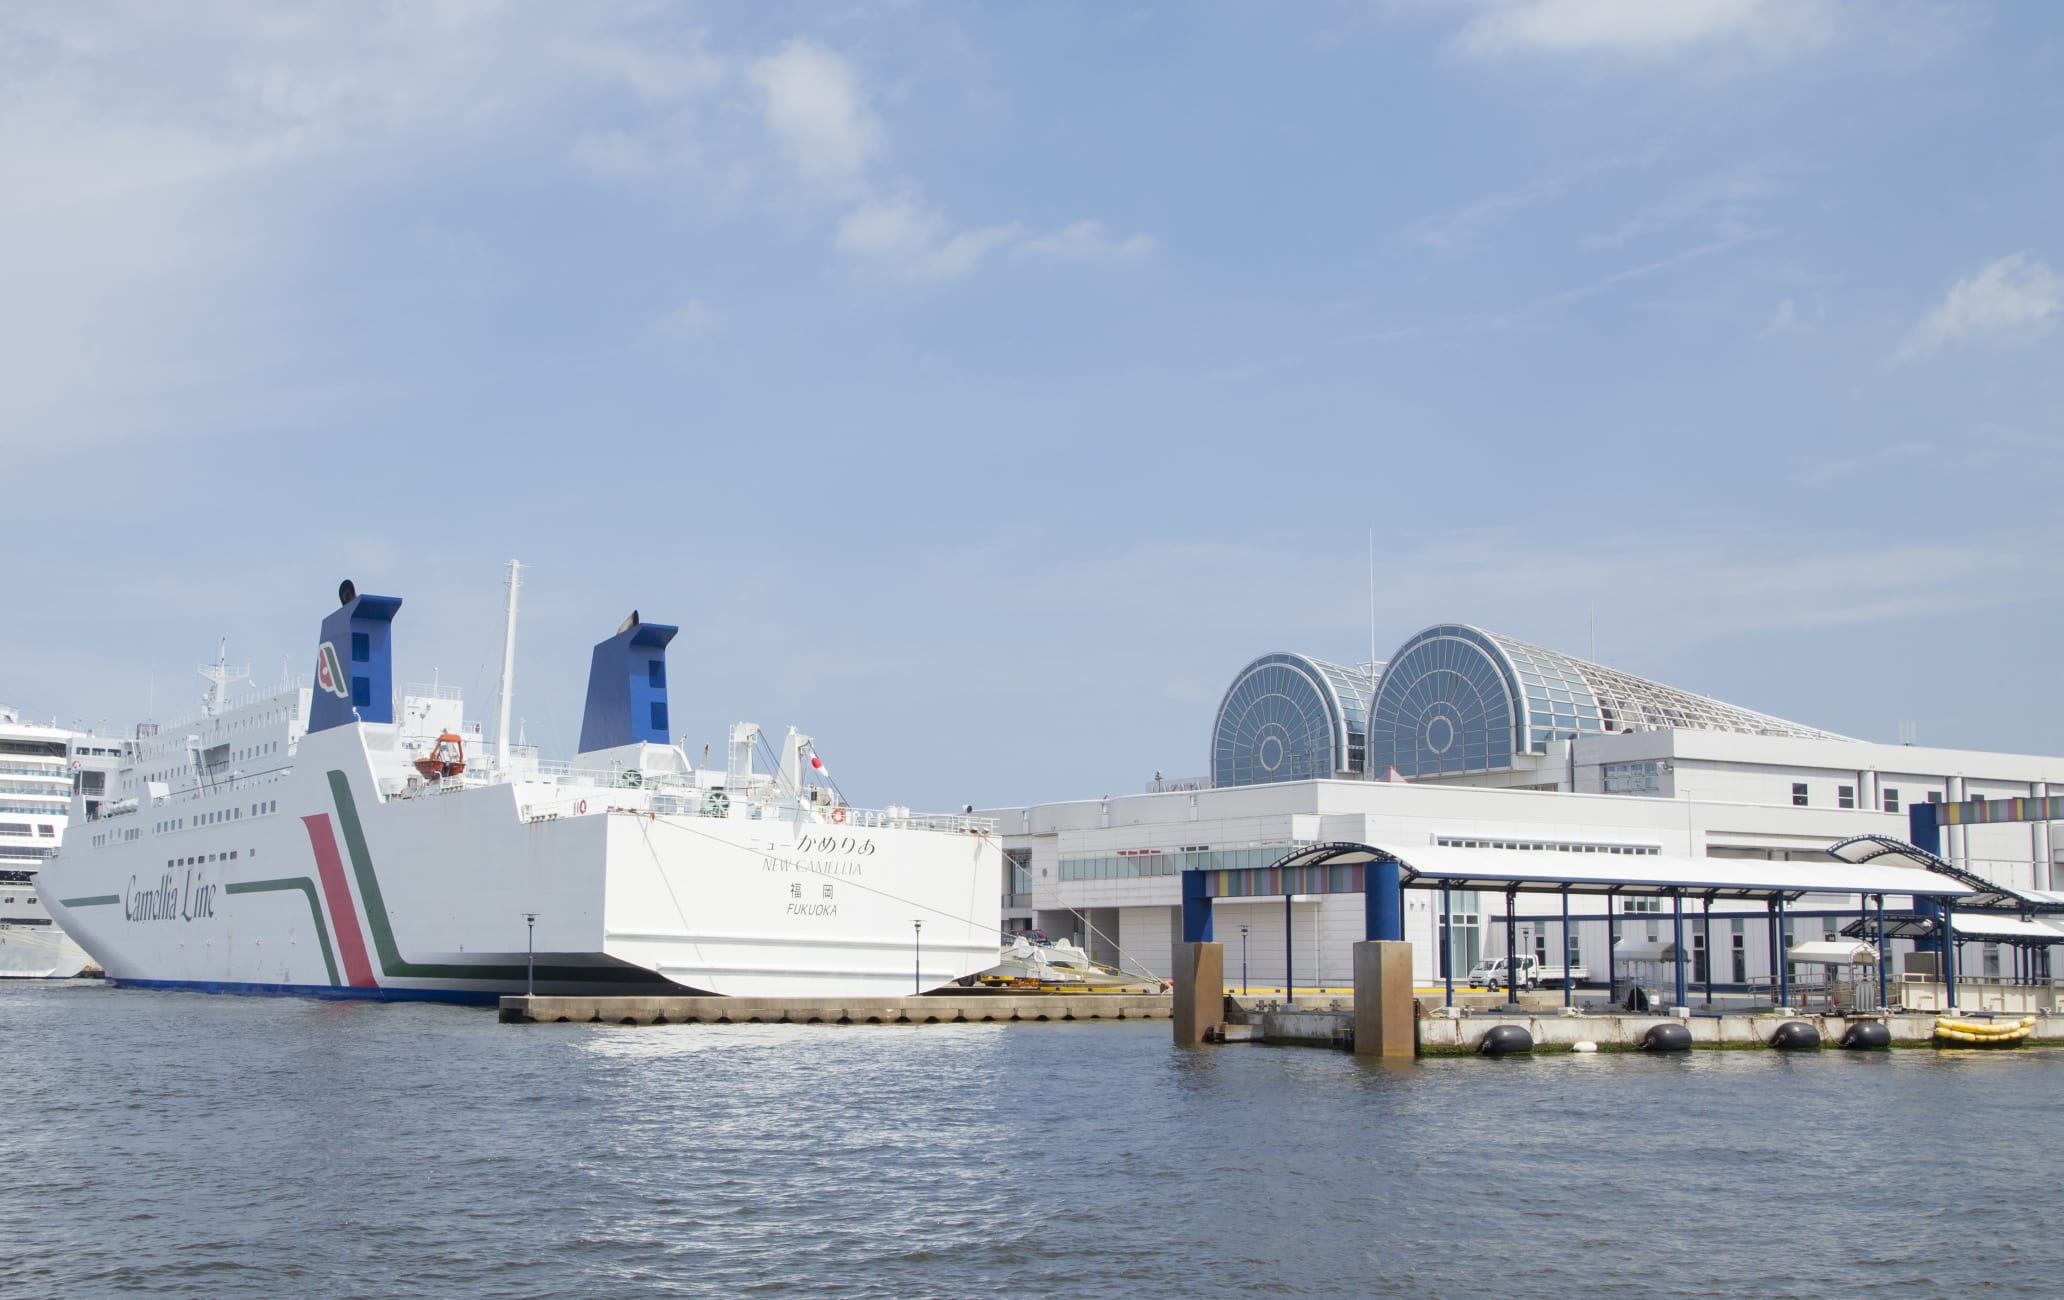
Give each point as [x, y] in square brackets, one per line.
[164, 1143]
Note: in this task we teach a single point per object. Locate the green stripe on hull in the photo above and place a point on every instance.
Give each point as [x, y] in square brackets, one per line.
[394, 966]
[98, 900]
[392, 963]
[306, 886]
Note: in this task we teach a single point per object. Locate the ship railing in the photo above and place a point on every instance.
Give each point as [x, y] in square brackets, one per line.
[904, 819]
[432, 691]
[686, 801]
[560, 772]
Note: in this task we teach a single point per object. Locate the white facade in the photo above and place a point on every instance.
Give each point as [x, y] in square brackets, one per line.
[39, 769]
[1106, 872]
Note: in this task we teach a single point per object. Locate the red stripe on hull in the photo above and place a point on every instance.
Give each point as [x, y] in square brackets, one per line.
[358, 972]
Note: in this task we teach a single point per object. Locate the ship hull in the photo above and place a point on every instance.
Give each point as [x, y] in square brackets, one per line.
[39, 952]
[329, 886]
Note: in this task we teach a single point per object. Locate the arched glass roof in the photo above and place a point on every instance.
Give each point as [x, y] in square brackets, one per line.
[1289, 717]
[1444, 705]
[1457, 699]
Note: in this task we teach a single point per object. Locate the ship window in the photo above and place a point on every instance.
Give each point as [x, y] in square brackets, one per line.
[361, 648]
[659, 717]
[232, 855]
[655, 674]
[362, 692]
[46, 830]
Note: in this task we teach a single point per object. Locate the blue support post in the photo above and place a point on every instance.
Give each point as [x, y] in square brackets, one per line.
[1447, 943]
[1289, 954]
[1612, 959]
[1512, 988]
[1949, 951]
[1883, 956]
[1196, 908]
[1784, 965]
[1565, 947]
[1677, 943]
[1924, 827]
[1710, 963]
[1383, 901]
[1770, 924]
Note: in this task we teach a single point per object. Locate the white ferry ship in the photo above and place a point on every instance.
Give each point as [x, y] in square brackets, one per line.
[39, 766]
[335, 840]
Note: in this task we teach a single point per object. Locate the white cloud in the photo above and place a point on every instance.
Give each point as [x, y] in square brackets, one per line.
[617, 154]
[815, 107]
[1722, 204]
[1647, 27]
[691, 322]
[903, 237]
[653, 74]
[1460, 229]
[2016, 295]
[1085, 241]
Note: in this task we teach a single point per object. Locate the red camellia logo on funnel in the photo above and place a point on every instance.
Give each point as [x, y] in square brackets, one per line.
[329, 674]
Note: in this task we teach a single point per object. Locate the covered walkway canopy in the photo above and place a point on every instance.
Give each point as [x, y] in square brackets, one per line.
[1967, 926]
[1380, 874]
[1983, 894]
[1341, 868]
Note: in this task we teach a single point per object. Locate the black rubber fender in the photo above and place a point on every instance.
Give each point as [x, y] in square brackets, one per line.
[1506, 1040]
[1667, 1038]
[1795, 1036]
[1866, 1036]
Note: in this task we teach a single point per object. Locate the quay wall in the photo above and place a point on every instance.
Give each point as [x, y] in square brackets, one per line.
[976, 1008]
[1442, 1032]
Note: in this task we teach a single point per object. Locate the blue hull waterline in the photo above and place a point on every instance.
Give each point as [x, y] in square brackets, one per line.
[325, 991]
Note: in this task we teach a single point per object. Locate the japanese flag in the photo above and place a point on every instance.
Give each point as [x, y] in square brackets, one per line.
[817, 766]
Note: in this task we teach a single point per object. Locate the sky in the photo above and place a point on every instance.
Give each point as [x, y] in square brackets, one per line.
[980, 387]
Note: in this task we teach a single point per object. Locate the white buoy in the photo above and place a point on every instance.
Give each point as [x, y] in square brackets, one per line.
[1584, 1047]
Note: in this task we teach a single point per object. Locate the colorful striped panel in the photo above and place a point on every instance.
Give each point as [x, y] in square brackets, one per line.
[1274, 882]
[1980, 812]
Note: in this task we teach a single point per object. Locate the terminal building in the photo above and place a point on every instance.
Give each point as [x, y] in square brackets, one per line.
[1469, 739]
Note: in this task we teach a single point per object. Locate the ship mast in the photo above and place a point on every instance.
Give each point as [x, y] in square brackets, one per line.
[508, 671]
[220, 676]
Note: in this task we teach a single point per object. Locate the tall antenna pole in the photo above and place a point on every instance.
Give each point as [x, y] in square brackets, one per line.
[508, 671]
[1372, 596]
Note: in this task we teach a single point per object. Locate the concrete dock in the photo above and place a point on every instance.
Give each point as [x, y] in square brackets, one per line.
[1260, 1021]
[930, 1009]
[1731, 1030]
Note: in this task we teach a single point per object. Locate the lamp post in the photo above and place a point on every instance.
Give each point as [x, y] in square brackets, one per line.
[530, 955]
[1243, 961]
[917, 958]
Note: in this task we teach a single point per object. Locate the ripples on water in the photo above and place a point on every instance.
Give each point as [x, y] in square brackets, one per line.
[172, 1143]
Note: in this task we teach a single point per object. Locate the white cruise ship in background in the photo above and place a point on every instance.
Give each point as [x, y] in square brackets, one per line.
[347, 839]
[39, 767]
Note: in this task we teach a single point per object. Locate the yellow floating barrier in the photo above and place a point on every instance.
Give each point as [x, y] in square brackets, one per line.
[1983, 1033]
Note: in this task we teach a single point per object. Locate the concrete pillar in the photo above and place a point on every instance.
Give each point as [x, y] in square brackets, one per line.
[2039, 837]
[1383, 1010]
[1199, 991]
[1955, 841]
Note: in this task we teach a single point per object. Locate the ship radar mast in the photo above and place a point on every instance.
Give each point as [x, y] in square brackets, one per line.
[508, 683]
[220, 676]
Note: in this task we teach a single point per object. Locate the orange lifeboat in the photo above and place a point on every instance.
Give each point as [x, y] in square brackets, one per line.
[447, 758]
